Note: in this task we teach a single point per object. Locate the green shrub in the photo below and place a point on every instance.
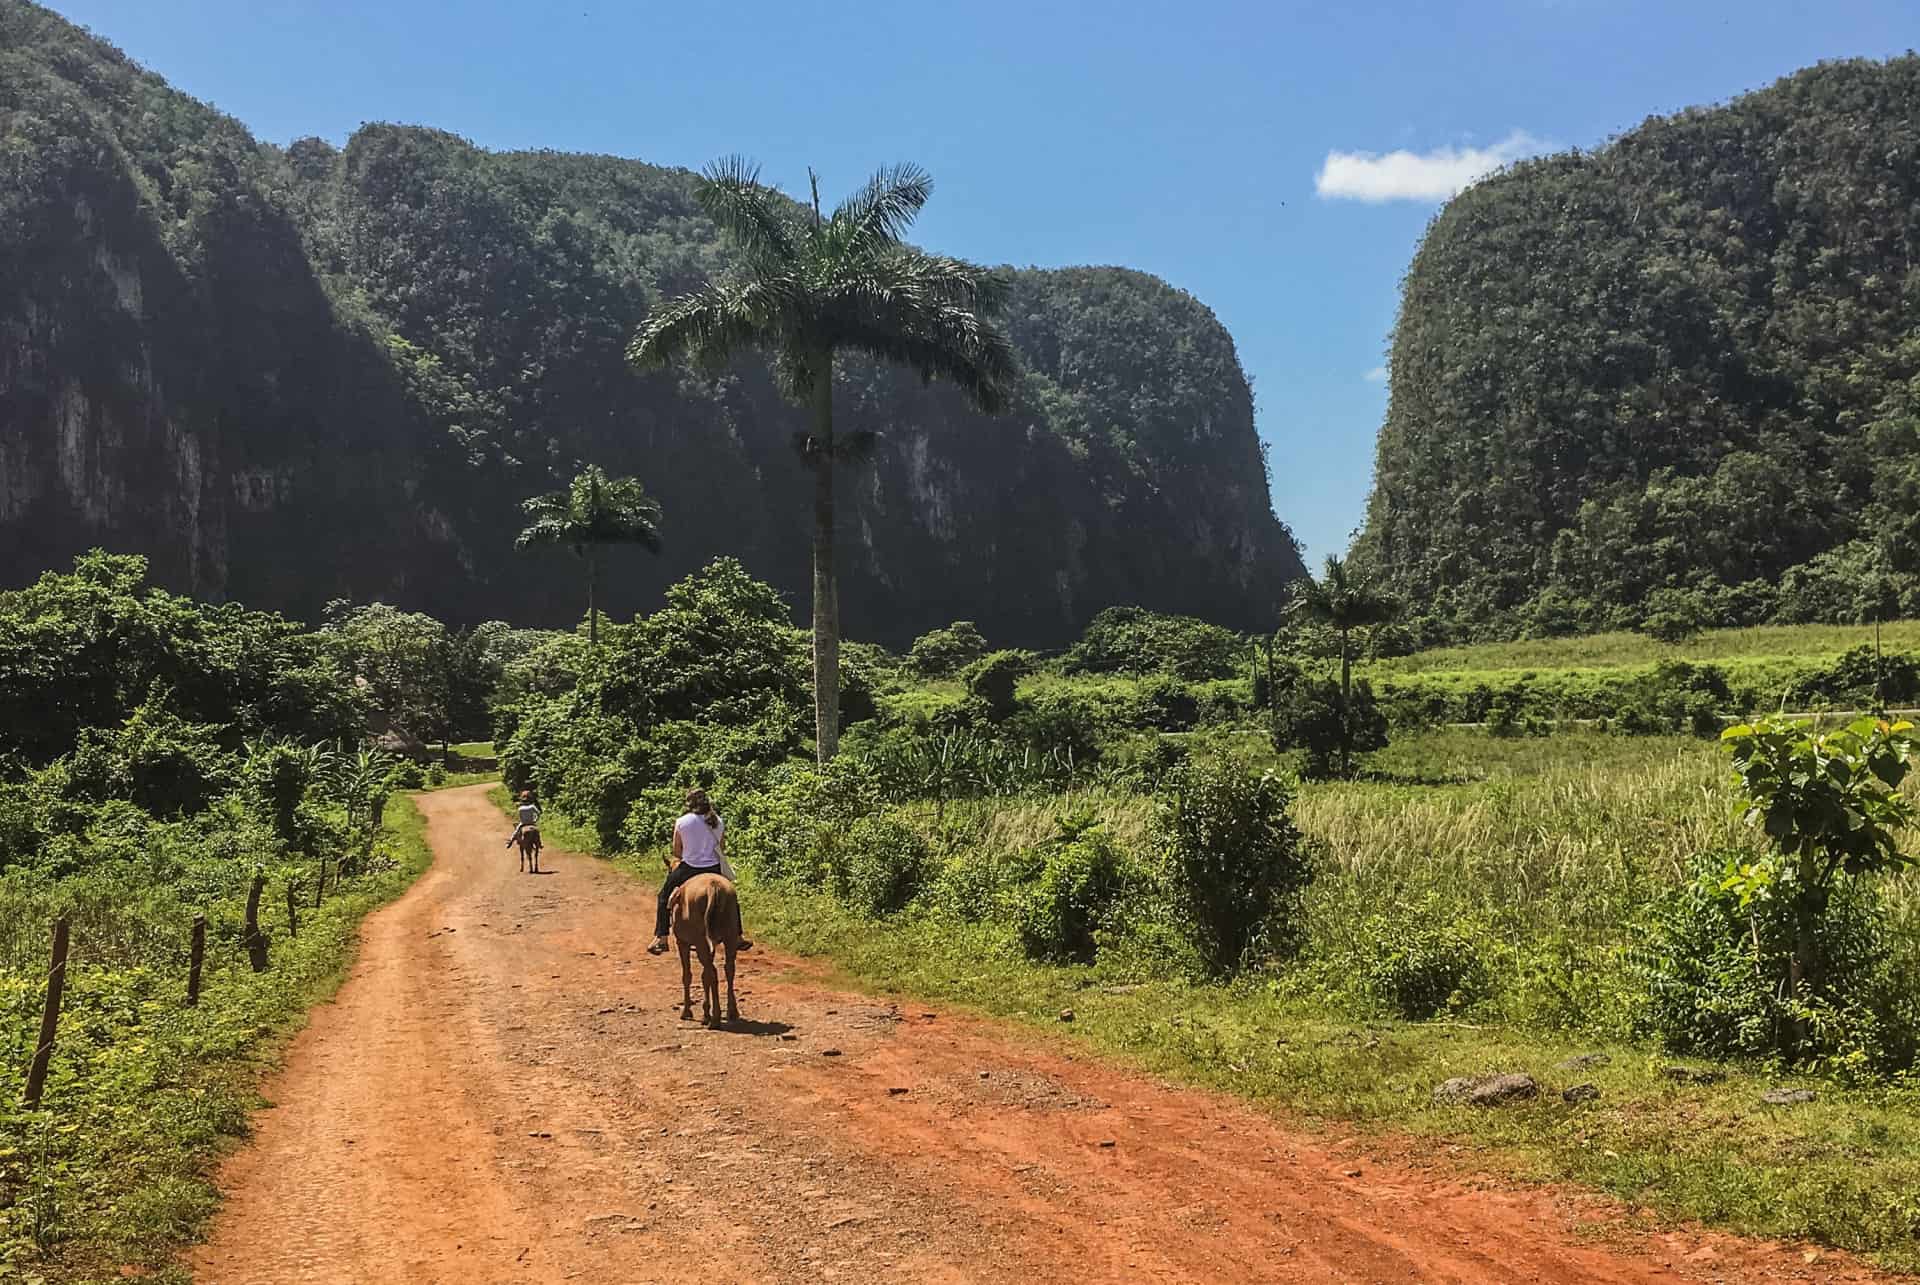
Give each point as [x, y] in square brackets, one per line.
[1083, 873]
[791, 829]
[992, 680]
[409, 775]
[1135, 640]
[1713, 971]
[978, 885]
[1062, 723]
[436, 773]
[1235, 864]
[942, 653]
[1166, 705]
[878, 865]
[1853, 678]
[1416, 961]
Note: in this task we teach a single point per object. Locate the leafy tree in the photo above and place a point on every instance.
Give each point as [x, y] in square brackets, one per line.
[1830, 806]
[1344, 600]
[402, 658]
[993, 679]
[87, 648]
[593, 512]
[816, 286]
[941, 653]
[1137, 641]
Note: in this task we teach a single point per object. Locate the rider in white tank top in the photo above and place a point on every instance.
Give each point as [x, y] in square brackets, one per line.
[699, 841]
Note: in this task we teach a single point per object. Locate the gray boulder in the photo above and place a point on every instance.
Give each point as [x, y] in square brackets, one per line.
[1486, 1090]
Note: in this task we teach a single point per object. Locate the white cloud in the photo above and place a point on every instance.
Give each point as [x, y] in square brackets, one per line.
[1378, 375]
[1418, 176]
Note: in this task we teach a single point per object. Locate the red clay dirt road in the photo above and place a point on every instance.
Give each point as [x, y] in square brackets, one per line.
[503, 1092]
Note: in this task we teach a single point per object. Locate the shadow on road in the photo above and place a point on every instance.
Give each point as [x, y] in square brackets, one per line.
[745, 1027]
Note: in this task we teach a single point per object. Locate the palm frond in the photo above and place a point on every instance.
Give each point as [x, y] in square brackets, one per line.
[880, 213]
[709, 325]
[747, 210]
[941, 342]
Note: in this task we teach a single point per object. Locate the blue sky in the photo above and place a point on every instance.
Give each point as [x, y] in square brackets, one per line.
[1278, 160]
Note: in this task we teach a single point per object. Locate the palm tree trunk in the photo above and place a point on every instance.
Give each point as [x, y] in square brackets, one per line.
[826, 585]
[593, 597]
[1346, 708]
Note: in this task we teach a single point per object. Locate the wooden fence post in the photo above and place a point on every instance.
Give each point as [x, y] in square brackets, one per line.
[49, 1017]
[320, 884]
[195, 957]
[293, 915]
[256, 941]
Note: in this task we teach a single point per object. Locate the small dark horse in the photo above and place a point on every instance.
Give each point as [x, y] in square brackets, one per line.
[530, 849]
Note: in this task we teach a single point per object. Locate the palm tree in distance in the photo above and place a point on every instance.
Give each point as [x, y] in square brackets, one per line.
[595, 510]
[1343, 599]
[812, 286]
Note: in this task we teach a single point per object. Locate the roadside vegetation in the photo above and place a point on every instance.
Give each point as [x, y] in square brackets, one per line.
[1233, 863]
[160, 760]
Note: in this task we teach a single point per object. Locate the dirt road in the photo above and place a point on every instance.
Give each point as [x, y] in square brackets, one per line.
[503, 1092]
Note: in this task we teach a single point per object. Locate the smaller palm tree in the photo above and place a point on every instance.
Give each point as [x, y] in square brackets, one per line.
[1344, 600]
[594, 511]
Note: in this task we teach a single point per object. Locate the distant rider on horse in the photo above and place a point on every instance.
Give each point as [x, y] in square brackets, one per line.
[529, 816]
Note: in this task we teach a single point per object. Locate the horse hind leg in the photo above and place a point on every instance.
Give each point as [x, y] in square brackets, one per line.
[709, 988]
[733, 1007]
[686, 982]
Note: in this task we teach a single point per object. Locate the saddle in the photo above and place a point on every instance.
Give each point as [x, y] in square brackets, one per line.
[530, 835]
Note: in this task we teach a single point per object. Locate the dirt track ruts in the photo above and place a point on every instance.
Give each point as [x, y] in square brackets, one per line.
[503, 1091]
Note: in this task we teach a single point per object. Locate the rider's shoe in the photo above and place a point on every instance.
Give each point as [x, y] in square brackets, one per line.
[744, 944]
[659, 946]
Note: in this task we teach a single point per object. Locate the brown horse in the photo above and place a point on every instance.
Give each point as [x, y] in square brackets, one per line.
[530, 849]
[706, 915]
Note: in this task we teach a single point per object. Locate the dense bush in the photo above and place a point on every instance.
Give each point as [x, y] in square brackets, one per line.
[1235, 864]
[713, 688]
[1855, 678]
[1083, 874]
[1165, 704]
[878, 864]
[789, 829]
[992, 680]
[1135, 640]
[942, 653]
[1418, 961]
[1713, 971]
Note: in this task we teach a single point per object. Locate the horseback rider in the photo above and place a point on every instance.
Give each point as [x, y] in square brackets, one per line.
[529, 817]
[699, 848]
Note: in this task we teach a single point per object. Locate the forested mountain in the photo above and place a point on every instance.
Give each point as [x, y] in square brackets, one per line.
[290, 375]
[1679, 374]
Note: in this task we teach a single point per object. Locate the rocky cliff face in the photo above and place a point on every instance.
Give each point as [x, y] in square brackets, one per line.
[290, 376]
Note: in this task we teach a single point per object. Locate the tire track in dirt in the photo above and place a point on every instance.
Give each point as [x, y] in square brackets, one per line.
[503, 1091]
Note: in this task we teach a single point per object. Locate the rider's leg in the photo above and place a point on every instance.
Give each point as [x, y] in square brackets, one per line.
[661, 915]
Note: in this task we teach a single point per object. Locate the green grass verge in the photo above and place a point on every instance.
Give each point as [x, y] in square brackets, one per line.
[1606, 651]
[115, 1174]
[1843, 1170]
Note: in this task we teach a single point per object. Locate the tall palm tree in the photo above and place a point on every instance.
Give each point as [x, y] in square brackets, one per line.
[1344, 600]
[812, 286]
[595, 510]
